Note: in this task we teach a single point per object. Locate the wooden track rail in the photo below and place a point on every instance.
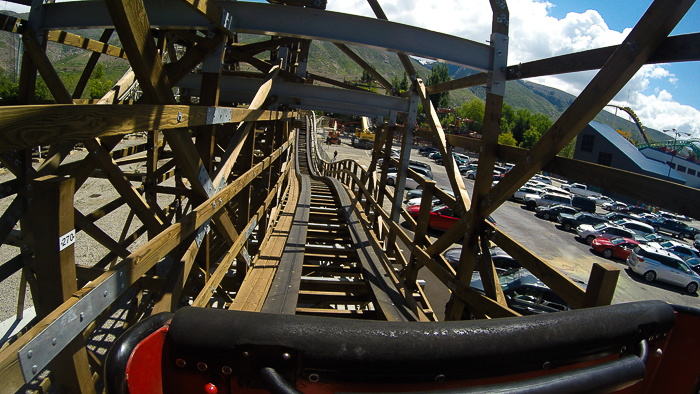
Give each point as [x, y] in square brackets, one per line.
[212, 193]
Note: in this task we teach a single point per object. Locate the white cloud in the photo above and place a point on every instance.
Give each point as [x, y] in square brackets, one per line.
[535, 34]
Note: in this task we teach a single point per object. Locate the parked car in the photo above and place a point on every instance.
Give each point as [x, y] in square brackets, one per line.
[426, 150]
[677, 228]
[583, 204]
[463, 169]
[614, 206]
[653, 264]
[551, 212]
[543, 179]
[525, 293]
[602, 230]
[580, 189]
[410, 182]
[638, 227]
[501, 260]
[613, 216]
[637, 210]
[572, 221]
[417, 200]
[471, 174]
[694, 264]
[618, 248]
[415, 163]
[546, 199]
[523, 191]
[684, 251]
[441, 216]
[600, 200]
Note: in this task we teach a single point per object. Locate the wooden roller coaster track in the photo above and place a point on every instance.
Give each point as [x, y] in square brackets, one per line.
[233, 208]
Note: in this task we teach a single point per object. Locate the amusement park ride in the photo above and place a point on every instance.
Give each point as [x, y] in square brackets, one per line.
[264, 265]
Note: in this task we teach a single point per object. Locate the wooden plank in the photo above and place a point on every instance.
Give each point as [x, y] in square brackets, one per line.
[146, 212]
[43, 64]
[98, 46]
[91, 229]
[601, 285]
[89, 66]
[560, 284]
[681, 48]
[367, 67]
[53, 277]
[33, 125]
[175, 279]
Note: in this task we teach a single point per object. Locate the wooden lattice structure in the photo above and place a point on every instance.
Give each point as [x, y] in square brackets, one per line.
[218, 160]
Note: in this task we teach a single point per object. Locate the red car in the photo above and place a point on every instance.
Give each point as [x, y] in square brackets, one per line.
[618, 248]
[441, 216]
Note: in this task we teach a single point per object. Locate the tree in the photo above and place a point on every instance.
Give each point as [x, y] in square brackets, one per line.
[521, 123]
[439, 73]
[530, 138]
[473, 110]
[401, 85]
[507, 139]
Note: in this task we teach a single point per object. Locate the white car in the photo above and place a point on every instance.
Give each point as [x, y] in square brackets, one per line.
[600, 200]
[543, 179]
[410, 182]
[684, 251]
[603, 230]
[417, 200]
[523, 191]
[653, 264]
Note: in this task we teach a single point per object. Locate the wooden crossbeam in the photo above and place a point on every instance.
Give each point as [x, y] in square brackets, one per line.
[34, 125]
[366, 66]
[90, 66]
[98, 46]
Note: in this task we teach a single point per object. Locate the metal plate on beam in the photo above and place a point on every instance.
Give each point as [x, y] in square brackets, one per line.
[38, 353]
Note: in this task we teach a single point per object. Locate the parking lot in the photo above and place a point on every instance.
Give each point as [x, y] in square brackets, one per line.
[562, 249]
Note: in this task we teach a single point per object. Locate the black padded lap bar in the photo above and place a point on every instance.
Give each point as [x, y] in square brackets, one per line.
[344, 349]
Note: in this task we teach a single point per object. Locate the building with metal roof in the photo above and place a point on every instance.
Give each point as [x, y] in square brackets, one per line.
[601, 144]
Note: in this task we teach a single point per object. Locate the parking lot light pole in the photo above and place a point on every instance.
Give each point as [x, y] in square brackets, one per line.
[676, 134]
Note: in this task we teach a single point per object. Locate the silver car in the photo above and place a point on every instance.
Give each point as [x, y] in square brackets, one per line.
[602, 230]
[654, 264]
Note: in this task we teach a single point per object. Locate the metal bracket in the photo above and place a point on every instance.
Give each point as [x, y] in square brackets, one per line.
[249, 231]
[205, 181]
[38, 353]
[217, 115]
[497, 83]
[226, 20]
[201, 232]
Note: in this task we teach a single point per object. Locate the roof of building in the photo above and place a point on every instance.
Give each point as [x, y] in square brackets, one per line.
[627, 148]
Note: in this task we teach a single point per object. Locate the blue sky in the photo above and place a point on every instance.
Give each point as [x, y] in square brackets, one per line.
[621, 15]
[663, 96]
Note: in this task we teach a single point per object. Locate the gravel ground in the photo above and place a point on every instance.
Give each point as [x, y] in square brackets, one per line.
[93, 194]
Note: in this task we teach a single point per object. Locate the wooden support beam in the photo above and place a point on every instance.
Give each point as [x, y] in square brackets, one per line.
[601, 285]
[367, 67]
[33, 125]
[52, 272]
[97, 46]
[90, 65]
